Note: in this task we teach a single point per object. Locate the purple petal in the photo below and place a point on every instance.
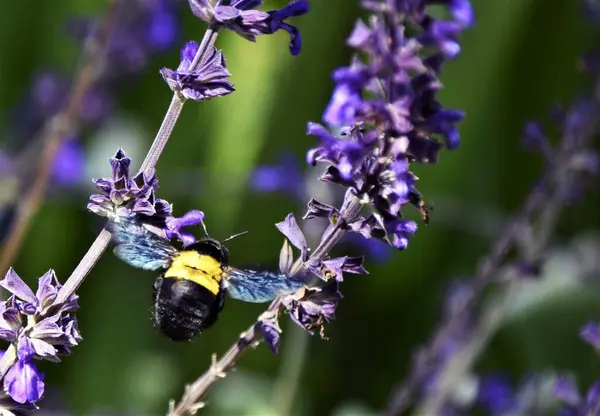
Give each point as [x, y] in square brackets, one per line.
[289, 228]
[24, 382]
[319, 209]
[269, 327]
[591, 334]
[202, 9]
[566, 391]
[188, 52]
[25, 349]
[226, 14]
[14, 284]
[69, 163]
[47, 289]
[120, 165]
[360, 35]
[44, 350]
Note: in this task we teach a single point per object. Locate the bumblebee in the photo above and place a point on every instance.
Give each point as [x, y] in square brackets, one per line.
[190, 293]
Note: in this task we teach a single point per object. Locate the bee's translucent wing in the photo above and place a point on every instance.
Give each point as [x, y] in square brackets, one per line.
[139, 247]
[258, 285]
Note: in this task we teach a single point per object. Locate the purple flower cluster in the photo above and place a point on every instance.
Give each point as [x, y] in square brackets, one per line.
[310, 307]
[123, 196]
[386, 110]
[36, 328]
[209, 80]
[242, 17]
[389, 101]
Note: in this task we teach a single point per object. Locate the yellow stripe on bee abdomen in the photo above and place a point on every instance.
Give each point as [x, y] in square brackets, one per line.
[199, 268]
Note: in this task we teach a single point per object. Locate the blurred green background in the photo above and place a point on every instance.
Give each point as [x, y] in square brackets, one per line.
[518, 60]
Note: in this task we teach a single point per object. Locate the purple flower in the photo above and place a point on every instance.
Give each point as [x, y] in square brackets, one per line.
[346, 154]
[242, 17]
[125, 197]
[289, 227]
[271, 331]
[23, 382]
[495, 394]
[566, 391]
[335, 268]
[590, 333]
[69, 163]
[312, 308]
[38, 329]
[5, 163]
[207, 80]
[284, 176]
[388, 98]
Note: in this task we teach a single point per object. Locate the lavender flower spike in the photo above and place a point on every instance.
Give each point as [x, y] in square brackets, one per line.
[241, 17]
[122, 197]
[209, 80]
[37, 329]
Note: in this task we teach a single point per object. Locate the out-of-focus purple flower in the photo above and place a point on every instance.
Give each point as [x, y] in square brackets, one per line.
[312, 308]
[495, 394]
[591, 10]
[69, 163]
[566, 391]
[123, 197]
[36, 328]
[242, 17]
[5, 164]
[209, 80]
[284, 176]
[162, 29]
[375, 250]
[590, 333]
[138, 29]
[534, 138]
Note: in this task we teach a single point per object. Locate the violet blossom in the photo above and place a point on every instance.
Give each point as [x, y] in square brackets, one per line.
[123, 196]
[209, 80]
[242, 17]
[36, 328]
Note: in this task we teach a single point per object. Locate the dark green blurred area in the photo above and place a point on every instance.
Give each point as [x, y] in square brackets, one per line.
[518, 60]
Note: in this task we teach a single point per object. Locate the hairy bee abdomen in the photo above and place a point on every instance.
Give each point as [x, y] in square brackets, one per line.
[183, 308]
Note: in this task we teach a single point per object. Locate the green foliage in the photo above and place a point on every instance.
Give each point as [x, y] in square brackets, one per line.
[516, 62]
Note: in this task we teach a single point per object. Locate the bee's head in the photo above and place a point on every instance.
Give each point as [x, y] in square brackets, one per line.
[212, 248]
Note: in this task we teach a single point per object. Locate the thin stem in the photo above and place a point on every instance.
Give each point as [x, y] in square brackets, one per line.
[83, 268]
[219, 368]
[174, 110]
[9, 357]
[158, 145]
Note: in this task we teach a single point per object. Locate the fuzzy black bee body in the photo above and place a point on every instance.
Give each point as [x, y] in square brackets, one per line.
[190, 293]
